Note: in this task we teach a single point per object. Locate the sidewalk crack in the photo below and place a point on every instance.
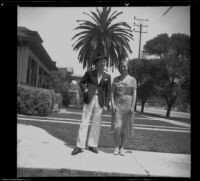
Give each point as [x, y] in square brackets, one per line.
[140, 164]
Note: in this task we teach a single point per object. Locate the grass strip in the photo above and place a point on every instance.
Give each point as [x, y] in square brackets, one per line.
[144, 140]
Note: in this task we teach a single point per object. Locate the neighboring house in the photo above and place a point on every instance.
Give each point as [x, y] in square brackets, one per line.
[34, 65]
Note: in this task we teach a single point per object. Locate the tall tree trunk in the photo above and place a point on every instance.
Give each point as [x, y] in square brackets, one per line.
[142, 106]
[169, 107]
[135, 109]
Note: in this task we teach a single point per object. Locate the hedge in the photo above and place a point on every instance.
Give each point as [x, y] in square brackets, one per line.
[36, 101]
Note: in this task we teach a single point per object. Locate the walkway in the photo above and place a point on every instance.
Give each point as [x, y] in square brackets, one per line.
[37, 149]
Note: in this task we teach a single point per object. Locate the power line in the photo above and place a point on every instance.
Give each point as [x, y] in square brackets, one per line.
[167, 10]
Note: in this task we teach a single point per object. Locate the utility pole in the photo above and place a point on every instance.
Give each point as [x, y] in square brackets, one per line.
[141, 26]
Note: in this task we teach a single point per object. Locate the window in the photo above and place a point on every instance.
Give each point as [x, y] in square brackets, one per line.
[41, 71]
[32, 71]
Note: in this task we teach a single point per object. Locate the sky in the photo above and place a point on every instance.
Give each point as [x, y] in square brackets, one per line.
[56, 26]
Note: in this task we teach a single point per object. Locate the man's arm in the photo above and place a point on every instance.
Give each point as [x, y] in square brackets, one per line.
[83, 82]
[108, 92]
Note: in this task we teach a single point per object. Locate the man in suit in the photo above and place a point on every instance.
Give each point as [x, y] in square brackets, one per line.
[96, 87]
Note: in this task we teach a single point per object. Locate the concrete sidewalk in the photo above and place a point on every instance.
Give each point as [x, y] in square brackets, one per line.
[38, 149]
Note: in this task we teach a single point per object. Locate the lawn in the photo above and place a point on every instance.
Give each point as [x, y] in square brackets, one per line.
[144, 140]
[141, 119]
[79, 110]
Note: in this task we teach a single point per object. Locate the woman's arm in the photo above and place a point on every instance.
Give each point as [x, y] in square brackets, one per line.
[134, 94]
[112, 96]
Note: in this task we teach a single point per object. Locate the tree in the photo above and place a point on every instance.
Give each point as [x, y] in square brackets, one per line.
[136, 68]
[158, 46]
[145, 90]
[141, 70]
[58, 83]
[100, 36]
[174, 56]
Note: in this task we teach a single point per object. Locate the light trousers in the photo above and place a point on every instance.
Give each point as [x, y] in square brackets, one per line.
[92, 109]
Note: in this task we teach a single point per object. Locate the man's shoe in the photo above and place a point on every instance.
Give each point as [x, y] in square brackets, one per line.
[93, 149]
[77, 150]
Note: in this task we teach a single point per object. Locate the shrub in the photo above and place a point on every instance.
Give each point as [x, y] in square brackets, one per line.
[58, 83]
[34, 101]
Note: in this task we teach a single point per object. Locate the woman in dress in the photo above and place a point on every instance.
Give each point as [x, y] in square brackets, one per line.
[123, 97]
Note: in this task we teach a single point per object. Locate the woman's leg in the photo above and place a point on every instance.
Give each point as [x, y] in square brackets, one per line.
[117, 127]
[123, 133]
[117, 138]
[123, 139]
[117, 141]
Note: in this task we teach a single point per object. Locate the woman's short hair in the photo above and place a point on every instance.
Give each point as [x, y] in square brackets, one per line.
[124, 62]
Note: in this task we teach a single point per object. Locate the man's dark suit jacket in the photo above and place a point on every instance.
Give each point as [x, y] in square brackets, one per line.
[90, 82]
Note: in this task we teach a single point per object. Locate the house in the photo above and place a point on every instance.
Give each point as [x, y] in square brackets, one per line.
[34, 64]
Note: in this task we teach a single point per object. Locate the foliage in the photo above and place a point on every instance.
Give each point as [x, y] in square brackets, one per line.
[59, 84]
[58, 81]
[100, 36]
[142, 71]
[157, 46]
[34, 101]
[173, 63]
[146, 87]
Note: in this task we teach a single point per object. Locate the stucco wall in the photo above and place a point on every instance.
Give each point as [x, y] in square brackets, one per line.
[22, 57]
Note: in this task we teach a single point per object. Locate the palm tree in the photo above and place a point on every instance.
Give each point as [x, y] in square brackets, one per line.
[102, 37]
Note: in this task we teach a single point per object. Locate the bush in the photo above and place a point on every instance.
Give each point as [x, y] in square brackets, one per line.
[34, 101]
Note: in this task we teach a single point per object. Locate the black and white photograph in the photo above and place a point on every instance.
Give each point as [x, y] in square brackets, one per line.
[103, 91]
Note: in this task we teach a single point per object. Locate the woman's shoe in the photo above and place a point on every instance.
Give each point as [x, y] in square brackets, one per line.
[122, 151]
[116, 151]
